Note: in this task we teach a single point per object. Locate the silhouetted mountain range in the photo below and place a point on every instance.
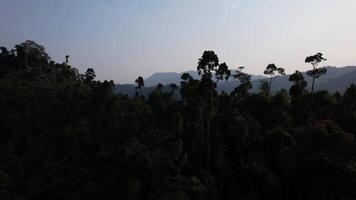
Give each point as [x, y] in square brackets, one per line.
[336, 79]
[166, 78]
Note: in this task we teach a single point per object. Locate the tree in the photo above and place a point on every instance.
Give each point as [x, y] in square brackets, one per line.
[297, 92]
[89, 75]
[222, 73]
[61, 138]
[4, 60]
[191, 92]
[315, 72]
[139, 83]
[32, 54]
[207, 65]
[299, 84]
[346, 113]
[264, 89]
[245, 85]
[271, 70]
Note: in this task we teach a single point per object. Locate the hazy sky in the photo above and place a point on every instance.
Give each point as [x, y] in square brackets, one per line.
[124, 39]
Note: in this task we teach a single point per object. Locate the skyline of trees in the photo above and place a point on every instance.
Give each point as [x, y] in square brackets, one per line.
[66, 135]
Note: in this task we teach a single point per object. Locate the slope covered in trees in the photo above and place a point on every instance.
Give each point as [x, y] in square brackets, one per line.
[65, 135]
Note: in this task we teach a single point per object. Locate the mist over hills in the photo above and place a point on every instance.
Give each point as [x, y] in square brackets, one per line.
[336, 79]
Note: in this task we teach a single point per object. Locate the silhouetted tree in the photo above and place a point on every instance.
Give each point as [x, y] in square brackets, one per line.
[315, 72]
[222, 73]
[271, 71]
[89, 75]
[242, 90]
[299, 85]
[139, 84]
[297, 91]
[208, 64]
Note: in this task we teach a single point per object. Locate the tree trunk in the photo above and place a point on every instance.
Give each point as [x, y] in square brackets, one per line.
[312, 95]
[207, 143]
[207, 133]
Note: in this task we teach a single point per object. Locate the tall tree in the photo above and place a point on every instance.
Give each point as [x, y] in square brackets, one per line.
[315, 72]
[139, 84]
[271, 70]
[297, 91]
[207, 65]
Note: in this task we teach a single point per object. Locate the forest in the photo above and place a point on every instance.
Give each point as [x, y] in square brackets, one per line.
[66, 135]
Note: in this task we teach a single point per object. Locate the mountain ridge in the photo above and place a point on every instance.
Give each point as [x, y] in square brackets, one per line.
[336, 79]
[166, 78]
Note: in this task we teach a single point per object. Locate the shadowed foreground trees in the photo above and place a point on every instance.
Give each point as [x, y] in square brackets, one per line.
[65, 135]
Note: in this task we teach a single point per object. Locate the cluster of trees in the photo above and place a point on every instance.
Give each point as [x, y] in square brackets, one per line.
[65, 135]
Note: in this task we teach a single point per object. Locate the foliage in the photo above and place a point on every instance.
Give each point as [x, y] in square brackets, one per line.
[65, 135]
[271, 70]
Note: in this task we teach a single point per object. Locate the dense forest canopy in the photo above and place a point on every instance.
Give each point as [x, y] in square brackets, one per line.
[65, 135]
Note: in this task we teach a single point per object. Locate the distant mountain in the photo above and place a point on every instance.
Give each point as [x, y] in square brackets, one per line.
[166, 78]
[339, 83]
[130, 89]
[336, 79]
[325, 82]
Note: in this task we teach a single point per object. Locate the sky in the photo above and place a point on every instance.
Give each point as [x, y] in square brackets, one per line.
[122, 39]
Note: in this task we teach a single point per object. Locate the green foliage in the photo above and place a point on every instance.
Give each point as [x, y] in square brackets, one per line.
[65, 135]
